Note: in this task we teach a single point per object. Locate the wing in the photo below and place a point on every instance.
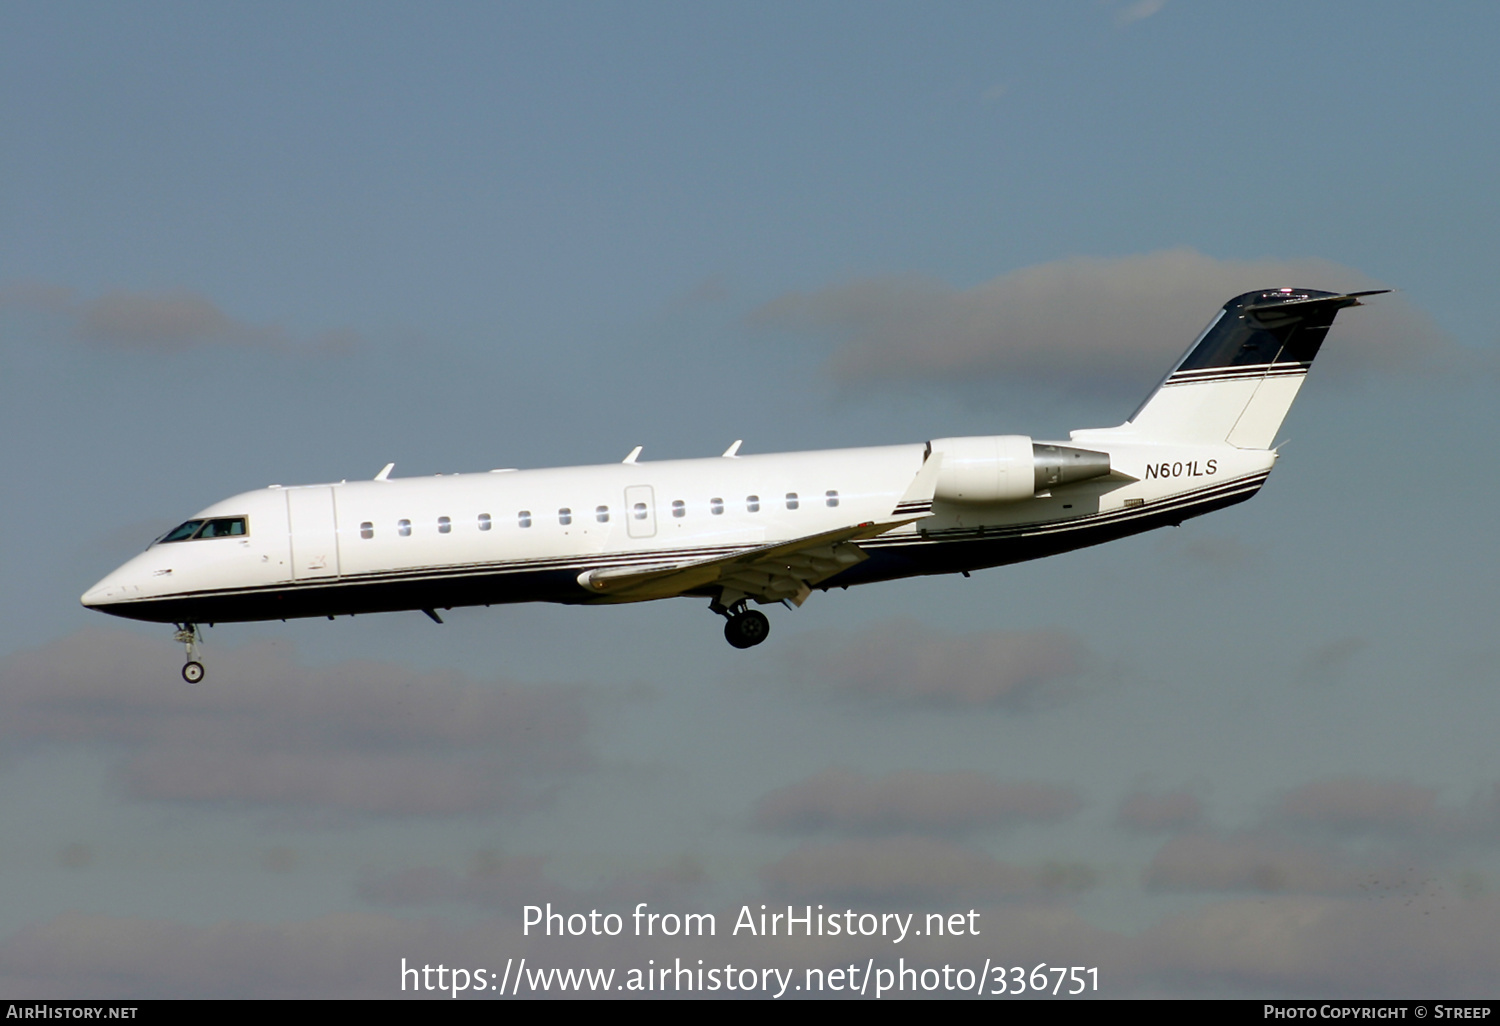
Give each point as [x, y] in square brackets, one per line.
[780, 572]
[786, 570]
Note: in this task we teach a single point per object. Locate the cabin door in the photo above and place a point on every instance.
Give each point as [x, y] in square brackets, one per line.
[314, 535]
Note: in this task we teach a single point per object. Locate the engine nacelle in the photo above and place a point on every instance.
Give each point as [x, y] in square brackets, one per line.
[989, 468]
[1008, 468]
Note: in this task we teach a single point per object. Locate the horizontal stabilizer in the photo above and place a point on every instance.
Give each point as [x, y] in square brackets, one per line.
[1337, 302]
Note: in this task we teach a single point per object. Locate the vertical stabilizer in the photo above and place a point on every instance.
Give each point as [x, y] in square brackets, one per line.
[1237, 381]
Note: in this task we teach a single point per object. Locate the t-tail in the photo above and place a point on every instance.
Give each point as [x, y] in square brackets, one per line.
[1237, 381]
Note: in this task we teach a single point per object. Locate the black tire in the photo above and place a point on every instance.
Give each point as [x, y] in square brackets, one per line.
[748, 629]
[193, 672]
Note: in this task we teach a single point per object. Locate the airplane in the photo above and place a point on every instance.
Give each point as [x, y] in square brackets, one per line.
[736, 528]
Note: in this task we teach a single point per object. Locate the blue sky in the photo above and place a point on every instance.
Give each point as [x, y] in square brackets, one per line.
[1248, 757]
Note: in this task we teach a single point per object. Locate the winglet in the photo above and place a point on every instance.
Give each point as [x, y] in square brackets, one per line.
[734, 449]
[633, 454]
[385, 472]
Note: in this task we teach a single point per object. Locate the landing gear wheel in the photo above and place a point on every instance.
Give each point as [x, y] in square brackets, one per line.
[747, 629]
[188, 637]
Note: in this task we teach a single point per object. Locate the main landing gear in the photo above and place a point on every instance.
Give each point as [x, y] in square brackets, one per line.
[745, 628]
[190, 638]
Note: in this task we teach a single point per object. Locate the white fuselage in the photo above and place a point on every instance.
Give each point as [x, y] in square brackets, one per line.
[519, 535]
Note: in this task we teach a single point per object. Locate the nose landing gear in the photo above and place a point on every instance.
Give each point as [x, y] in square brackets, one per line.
[190, 638]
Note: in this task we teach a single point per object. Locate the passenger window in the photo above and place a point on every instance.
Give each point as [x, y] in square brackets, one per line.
[716, 506]
[403, 528]
[832, 497]
[524, 518]
[445, 526]
[484, 521]
[639, 509]
[565, 516]
[367, 530]
[679, 508]
[601, 514]
[791, 500]
[752, 503]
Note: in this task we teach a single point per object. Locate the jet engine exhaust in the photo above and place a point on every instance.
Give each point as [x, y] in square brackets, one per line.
[1062, 464]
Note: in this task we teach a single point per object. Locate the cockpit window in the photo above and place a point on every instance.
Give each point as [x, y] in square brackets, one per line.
[219, 527]
[182, 533]
[224, 527]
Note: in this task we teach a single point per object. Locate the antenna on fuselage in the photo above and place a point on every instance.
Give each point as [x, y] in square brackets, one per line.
[633, 454]
[385, 472]
[735, 448]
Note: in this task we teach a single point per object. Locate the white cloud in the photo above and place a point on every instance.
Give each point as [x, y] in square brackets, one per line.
[355, 737]
[893, 869]
[507, 883]
[910, 800]
[1082, 318]
[1261, 862]
[909, 662]
[1359, 806]
[1170, 811]
[162, 322]
[343, 955]
[1139, 11]
[1328, 947]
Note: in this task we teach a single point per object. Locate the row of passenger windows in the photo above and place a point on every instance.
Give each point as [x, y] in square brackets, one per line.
[638, 510]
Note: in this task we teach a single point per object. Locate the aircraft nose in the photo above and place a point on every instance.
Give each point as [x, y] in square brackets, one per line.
[116, 587]
[100, 594]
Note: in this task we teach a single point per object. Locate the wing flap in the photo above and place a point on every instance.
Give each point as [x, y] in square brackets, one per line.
[780, 571]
